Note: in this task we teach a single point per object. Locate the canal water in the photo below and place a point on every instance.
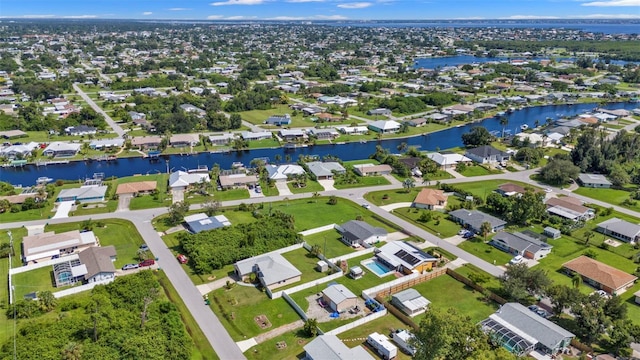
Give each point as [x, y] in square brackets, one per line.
[444, 61]
[444, 139]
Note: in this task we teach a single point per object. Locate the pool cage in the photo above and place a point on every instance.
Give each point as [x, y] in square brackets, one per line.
[63, 272]
[511, 341]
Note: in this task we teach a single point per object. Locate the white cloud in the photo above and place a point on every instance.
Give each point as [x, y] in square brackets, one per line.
[330, 17]
[609, 16]
[528, 17]
[304, 1]
[240, 17]
[237, 2]
[313, 17]
[147, 13]
[613, 3]
[36, 16]
[179, 9]
[215, 17]
[355, 5]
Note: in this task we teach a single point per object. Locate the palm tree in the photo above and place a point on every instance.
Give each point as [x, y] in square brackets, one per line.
[536, 123]
[311, 327]
[47, 300]
[315, 196]
[408, 184]
[587, 236]
[504, 121]
[277, 158]
[576, 280]
[485, 229]
[72, 351]
[287, 158]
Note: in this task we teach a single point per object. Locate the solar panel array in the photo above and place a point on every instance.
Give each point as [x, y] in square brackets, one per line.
[406, 257]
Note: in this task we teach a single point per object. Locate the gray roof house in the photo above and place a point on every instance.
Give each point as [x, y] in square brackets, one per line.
[329, 347]
[486, 155]
[99, 263]
[83, 194]
[197, 223]
[620, 229]
[410, 302]
[356, 232]
[325, 170]
[272, 270]
[521, 244]
[339, 298]
[521, 331]
[594, 181]
[473, 219]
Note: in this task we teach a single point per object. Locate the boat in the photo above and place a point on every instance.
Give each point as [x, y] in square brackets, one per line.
[237, 164]
[501, 113]
[43, 180]
[524, 127]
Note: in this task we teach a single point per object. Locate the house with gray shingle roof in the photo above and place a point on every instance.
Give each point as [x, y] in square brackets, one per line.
[325, 170]
[329, 347]
[356, 232]
[273, 270]
[99, 263]
[620, 229]
[521, 244]
[594, 181]
[473, 220]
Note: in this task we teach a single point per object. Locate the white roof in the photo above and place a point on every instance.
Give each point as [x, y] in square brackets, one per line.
[24, 148]
[338, 293]
[279, 172]
[181, 178]
[447, 159]
[385, 124]
[62, 146]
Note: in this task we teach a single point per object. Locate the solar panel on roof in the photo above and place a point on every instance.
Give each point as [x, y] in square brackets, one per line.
[406, 257]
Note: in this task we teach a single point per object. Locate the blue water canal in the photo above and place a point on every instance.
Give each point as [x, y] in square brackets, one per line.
[444, 61]
[444, 139]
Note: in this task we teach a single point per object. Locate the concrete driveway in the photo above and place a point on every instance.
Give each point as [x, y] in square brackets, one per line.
[123, 202]
[327, 184]
[178, 195]
[283, 189]
[63, 209]
[396, 206]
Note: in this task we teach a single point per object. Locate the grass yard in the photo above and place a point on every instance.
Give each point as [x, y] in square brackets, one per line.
[611, 196]
[147, 201]
[295, 341]
[6, 327]
[237, 308]
[493, 283]
[263, 144]
[476, 246]
[467, 301]
[442, 226]
[330, 243]
[258, 117]
[384, 325]
[35, 280]
[312, 186]
[95, 208]
[477, 170]
[269, 190]
[120, 233]
[392, 196]
[364, 181]
[362, 161]
[484, 188]
[306, 263]
[231, 194]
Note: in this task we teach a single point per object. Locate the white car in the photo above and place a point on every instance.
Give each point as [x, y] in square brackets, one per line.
[366, 206]
[516, 260]
[548, 190]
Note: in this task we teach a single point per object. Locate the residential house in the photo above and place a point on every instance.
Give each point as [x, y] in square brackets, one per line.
[200, 222]
[329, 347]
[181, 180]
[262, 135]
[80, 130]
[137, 188]
[184, 140]
[521, 331]
[146, 142]
[272, 270]
[419, 122]
[384, 126]
[372, 170]
[137, 116]
[448, 160]
[279, 120]
[18, 151]
[283, 172]
[521, 244]
[99, 263]
[473, 220]
[237, 180]
[569, 208]
[599, 275]
[12, 134]
[292, 134]
[510, 189]
[83, 194]
[106, 143]
[325, 170]
[358, 233]
[49, 244]
[379, 112]
[404, 257]
[410, 302]
[430, 199]
[61, 149]
[353, 130]
[594, 181]
[193, 109]
[222, 139]
[339, 298]
[324, 133]
[620, 229]
[486, 155]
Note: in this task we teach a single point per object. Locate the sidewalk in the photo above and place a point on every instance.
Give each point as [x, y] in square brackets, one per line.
[454, 173]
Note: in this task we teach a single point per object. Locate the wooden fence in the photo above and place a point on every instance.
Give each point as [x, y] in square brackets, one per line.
[475, 286]
[396, 288]
[397, 313]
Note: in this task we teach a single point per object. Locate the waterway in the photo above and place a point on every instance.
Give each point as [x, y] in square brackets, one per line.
[457, 60]
[444, 139]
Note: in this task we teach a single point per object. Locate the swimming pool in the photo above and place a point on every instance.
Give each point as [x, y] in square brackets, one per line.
[378, 268]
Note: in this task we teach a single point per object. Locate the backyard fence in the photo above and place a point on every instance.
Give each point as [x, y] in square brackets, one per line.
[295, 289]
[317, 230]
[353, 255]
[403, 283]
[81, 288]
[475, 286]
[295, 306]
[399, 314]
[42, 264]
[357, 323]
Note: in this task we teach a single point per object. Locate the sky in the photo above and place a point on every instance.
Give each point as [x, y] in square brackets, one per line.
[321, 9]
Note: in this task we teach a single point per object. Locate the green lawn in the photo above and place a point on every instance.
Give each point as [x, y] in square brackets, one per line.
[493, 283]
[384, 325]
[484, 188]
[237, 308]
[34, 281]
[364, 181]
[311, 187]
[268, 190]
[295, 341]
[477, 170]
[95, 208]
[120, 233]
[263, 144]
[392, 196]
[330, 243]
[476, 246]
[306, 263]
[467, 301]
[258, 117]
[231, 194]
[611, 196]
[440, 225]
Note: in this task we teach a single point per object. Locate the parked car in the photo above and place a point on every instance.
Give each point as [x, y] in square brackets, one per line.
[366, 206]
[516, 260]
[147, 262]
[533, 308]
[144, 247]
[542, 313]
[462, 232]
[182, 259]
[130, 266]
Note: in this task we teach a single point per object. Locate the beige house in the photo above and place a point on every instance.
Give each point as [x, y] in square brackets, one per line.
[430, 199]
[339, 298]
[146, 142]
[48, 245]
[135, 188]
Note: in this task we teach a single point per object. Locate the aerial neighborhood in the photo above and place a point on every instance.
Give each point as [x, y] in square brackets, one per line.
[307, 190]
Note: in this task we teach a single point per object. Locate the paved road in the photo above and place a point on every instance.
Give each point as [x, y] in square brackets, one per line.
[116, 128]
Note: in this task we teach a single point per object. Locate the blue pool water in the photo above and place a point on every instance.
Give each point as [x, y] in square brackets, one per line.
[377, 268]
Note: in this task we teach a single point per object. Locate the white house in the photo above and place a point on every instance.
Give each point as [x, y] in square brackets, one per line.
[181, 180]
[384, 126]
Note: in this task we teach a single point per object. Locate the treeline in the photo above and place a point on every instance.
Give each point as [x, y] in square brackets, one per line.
[622, 50]
[154, 81]
[30, 118]
[41, 89]
[415, 104]
[258, 98]
[210, 250]
[127, 319]
[324, 71]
